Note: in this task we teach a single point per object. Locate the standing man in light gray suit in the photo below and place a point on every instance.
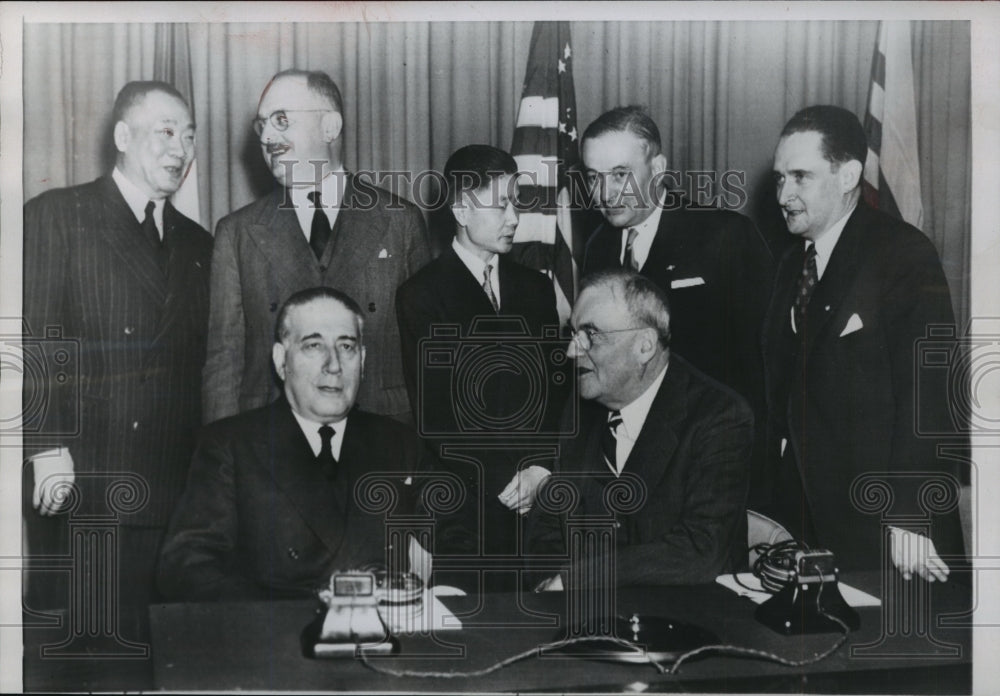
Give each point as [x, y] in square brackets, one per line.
[321, 226]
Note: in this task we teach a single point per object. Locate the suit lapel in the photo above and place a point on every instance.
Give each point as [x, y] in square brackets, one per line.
[278, 237]
[282, 449]
[837, 280]
[122, 234]
[355, 233]
[654, 448]
[462, 293]
[181, 265]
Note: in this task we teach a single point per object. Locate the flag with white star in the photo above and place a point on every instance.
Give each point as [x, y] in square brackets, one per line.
[546, 145]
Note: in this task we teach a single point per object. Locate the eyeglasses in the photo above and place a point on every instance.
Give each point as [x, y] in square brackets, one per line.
[584, 338]
[279, 119]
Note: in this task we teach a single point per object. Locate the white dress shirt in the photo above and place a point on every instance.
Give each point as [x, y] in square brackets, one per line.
[645, 233]
[331, 191]
[311, 430]
[633, 418]
[137, 200]
[476, 267]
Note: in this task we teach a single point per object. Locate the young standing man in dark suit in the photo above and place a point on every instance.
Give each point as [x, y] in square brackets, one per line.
[277, 501]
[850, 303]
[713, 265]
[474, 278]
[320, 226]
[122, 276]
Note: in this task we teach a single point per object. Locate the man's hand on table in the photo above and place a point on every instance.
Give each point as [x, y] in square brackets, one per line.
[913, 552]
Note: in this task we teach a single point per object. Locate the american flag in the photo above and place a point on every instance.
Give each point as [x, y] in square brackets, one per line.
[546, 144]
[892, 169]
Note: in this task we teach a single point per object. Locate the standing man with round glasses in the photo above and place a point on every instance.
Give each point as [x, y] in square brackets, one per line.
[320, 226]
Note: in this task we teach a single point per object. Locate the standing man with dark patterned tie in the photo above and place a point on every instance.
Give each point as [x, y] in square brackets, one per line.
[276, 498]
[115, 268]
[475, 277]
[850, 304]
[713, 264]
[320, 226]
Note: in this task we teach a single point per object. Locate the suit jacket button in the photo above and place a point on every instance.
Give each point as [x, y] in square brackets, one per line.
[293, 553]
[618, 525]
[371, 306]
[322, 269]
[129, 330]
[274, 307]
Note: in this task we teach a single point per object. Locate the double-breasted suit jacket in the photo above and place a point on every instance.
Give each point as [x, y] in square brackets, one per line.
[261, 257]
[134, 335]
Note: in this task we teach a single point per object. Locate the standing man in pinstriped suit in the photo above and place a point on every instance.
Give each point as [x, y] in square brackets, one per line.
[118, 272]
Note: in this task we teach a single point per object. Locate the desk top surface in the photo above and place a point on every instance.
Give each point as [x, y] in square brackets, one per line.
[255, 645]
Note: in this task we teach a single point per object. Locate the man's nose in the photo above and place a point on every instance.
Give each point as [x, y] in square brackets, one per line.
[331, 361]
[572, 350]
[786, 191]
[512, 214]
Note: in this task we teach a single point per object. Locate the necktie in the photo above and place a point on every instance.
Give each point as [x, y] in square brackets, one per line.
[325, 457]
[609, 441]
[149, 230]
[807, 285]
[319, 233]
[629, 261]
[488, 287]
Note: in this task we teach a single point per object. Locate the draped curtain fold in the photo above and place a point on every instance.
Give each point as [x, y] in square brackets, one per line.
[719, 91]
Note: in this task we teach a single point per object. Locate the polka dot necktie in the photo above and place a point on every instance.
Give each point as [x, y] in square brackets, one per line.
[807, 285]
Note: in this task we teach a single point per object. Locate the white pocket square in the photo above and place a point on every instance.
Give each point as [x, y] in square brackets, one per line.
[853, 324]
[686, 282]
[384, 254]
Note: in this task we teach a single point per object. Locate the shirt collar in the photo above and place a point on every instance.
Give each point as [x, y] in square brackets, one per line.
[136, 199]
[473, 262]
[311, 430]
[634, 415]
[828, 240]
[331, 189]
[645, 232]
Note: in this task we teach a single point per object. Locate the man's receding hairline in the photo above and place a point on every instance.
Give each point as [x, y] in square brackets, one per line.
[140, 101]
[286, 333]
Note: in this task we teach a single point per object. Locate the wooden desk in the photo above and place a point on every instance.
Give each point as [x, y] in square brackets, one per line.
[256, 646]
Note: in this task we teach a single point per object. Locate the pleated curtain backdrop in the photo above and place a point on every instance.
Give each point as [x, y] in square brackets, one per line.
[719, 91]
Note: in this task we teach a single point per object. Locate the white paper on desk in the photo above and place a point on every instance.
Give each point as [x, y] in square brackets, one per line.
[435, 616]
[852, 595]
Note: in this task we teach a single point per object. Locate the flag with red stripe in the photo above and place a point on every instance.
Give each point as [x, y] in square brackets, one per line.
[892, 168]
[545, 147]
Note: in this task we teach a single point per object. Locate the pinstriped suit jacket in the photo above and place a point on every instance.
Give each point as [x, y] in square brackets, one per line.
[125, 394]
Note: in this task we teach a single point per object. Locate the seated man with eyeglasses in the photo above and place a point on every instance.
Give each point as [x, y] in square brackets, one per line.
[659, 459]
[319, 226]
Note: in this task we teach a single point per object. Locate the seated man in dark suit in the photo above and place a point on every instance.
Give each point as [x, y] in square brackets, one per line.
[660, 457]
[474, 284]
[275, 502]
[713, 265]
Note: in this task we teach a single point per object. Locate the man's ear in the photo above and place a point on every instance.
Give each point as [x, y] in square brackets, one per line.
[362, 362]
[122, 135]
[850, 175]
[659, 163]
[461, 211]
[645, 346]
[332, 123]
[278, 357]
